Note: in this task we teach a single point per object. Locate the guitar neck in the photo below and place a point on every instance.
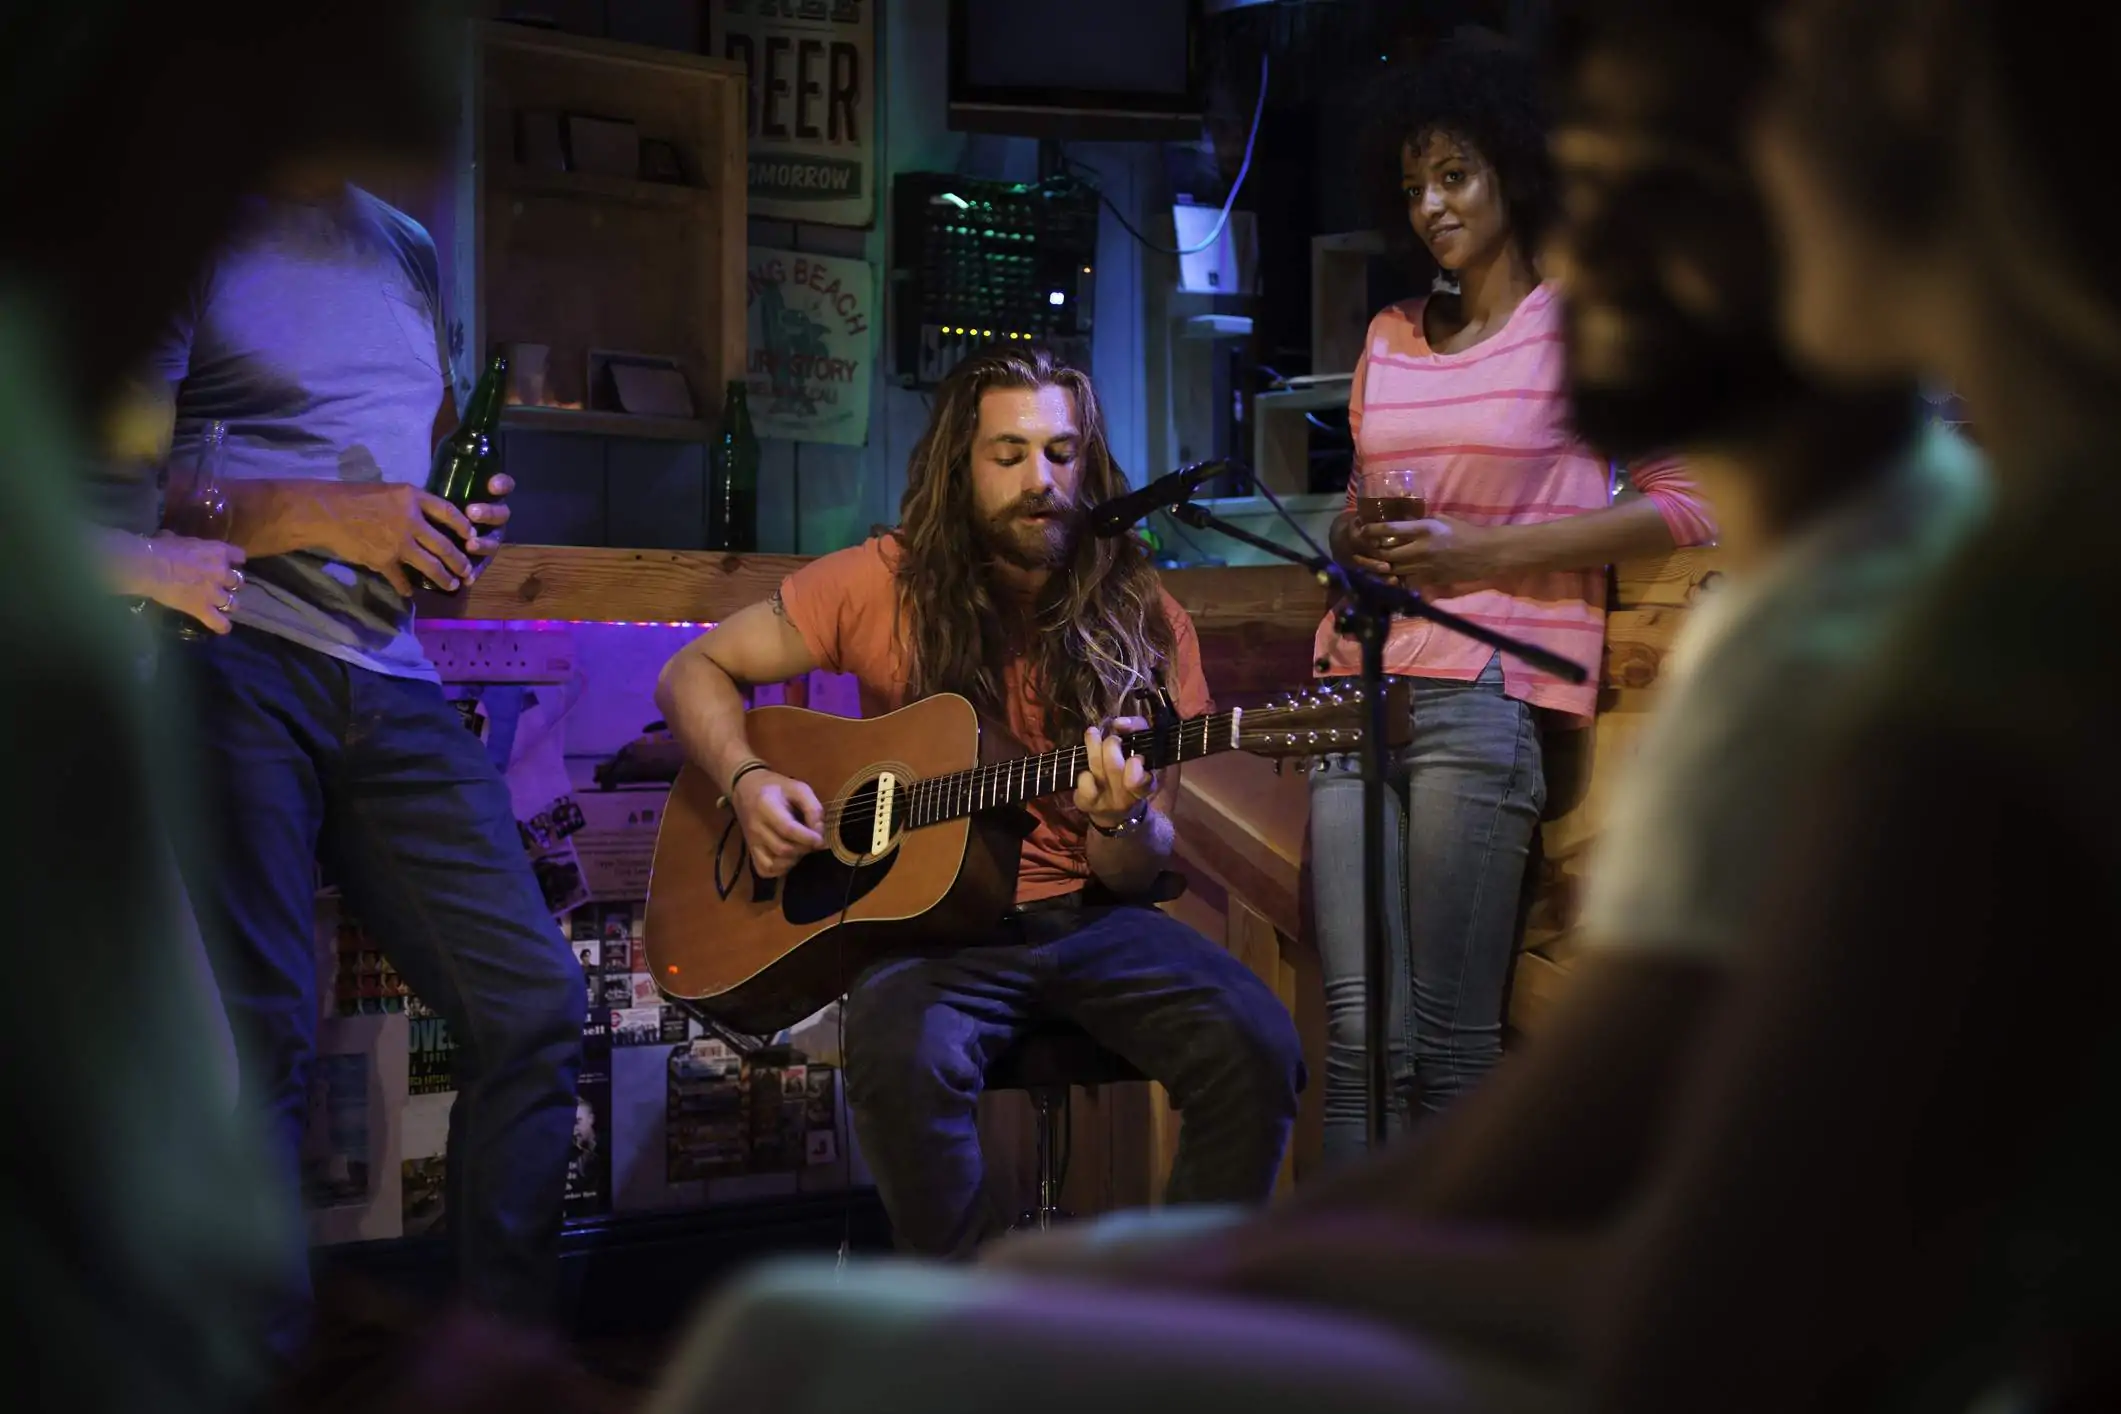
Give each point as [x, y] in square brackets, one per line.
[1005, 783]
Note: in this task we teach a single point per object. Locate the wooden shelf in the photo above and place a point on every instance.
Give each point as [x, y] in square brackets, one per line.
[582, 261]
[595, 186]
[604, 424]
[1281, 437]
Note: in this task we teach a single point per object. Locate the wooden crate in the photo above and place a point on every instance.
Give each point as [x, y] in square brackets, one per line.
[582, 261]
[1341, 306]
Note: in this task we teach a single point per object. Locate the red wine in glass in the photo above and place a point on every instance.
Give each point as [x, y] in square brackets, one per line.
[1391, 496]
[1379, 510]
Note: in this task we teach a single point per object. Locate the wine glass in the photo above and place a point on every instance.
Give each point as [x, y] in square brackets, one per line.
[1391, 495]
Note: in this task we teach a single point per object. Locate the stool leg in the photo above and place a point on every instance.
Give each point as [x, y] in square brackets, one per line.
[1048, 1200]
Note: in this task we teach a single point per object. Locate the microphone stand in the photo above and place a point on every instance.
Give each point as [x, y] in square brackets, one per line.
[1365, 613]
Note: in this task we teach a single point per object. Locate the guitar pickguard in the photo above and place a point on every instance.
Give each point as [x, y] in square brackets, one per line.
[821, 887]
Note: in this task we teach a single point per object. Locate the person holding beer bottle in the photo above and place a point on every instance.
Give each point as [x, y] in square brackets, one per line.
[317, 338]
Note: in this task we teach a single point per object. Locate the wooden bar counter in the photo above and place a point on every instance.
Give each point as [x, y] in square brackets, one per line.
[1241, 825]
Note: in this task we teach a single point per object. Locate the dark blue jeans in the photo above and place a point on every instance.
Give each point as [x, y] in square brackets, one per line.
[922, 1031]
[307, 758]
[1461, 807]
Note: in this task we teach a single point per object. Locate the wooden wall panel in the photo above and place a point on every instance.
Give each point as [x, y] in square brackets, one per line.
[1255, 623]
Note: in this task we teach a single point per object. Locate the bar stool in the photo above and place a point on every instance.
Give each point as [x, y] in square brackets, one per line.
[1048, 1059]
[1046, 1062]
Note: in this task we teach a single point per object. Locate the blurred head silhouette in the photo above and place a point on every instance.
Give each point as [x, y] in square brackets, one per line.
[1934, 168]
[129, 128]
[1661, 243]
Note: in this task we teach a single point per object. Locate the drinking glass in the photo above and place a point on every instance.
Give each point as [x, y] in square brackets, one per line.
[1392, 495]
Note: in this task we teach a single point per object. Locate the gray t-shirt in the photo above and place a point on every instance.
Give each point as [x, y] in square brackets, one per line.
[1751, 687]
[317, 338]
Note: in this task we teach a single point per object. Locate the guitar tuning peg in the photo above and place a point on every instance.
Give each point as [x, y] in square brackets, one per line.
[1277, 765]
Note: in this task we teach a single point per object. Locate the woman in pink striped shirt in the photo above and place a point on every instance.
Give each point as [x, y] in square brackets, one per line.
[1461, 393]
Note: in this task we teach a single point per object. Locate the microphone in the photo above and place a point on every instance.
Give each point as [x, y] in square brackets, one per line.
[1120, 514]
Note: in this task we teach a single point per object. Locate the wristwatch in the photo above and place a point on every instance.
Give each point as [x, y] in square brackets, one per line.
[1127, 826]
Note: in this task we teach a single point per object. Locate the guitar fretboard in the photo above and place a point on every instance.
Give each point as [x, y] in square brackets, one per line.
[940, 798]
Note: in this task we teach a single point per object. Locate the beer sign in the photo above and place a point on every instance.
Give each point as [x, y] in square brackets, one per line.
[810, 115]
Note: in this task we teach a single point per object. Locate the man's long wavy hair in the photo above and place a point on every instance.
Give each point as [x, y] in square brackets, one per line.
[1099, 631]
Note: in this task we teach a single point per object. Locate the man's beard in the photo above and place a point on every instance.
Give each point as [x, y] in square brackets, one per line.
[1013, 537]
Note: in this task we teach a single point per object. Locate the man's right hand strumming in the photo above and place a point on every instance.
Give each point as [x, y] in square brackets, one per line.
[702, 698]
[781, 820]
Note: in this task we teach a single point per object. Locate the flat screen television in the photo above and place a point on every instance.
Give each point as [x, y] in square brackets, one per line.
[1091, 70]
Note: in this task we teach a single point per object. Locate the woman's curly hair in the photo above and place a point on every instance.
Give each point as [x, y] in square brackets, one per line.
[1484, 92]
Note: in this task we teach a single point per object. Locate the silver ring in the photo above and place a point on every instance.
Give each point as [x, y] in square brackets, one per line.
[227, 606]
[240, 581]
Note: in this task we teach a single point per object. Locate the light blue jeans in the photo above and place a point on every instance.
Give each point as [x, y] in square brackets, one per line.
[1462, 802]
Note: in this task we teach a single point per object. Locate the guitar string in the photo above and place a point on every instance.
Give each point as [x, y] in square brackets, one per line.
[926, 795]
[1064, 766]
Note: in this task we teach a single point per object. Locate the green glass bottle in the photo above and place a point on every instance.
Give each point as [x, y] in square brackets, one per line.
[470, 457]
[733, 478]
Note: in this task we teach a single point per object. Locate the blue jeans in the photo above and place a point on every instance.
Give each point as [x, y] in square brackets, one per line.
[921, 1032]
[307, 758]
[1462, 802]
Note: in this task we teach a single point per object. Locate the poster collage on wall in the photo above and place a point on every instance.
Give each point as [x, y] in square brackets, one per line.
[666, 1116]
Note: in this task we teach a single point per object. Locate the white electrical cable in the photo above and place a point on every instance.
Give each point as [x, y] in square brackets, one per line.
[1259, 108]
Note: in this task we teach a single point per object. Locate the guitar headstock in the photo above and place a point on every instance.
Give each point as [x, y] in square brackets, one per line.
[1320, 721]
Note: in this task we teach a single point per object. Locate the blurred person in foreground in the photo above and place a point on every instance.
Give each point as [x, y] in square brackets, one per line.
[1839, 508]
[155, 572]
[145, 1230]
[1483, 1239]
[1896, 1184]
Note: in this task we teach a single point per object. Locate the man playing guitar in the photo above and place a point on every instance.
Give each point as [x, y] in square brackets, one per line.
[990, 588]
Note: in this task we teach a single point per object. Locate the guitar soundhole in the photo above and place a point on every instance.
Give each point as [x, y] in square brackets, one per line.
[824, 885]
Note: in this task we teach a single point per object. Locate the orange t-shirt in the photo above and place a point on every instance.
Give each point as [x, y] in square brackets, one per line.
[845, 605]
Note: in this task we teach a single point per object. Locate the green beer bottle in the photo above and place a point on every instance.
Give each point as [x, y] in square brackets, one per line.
[470, 457]
[733, 478]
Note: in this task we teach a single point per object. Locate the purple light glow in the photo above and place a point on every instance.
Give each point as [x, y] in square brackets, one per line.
[536, 625]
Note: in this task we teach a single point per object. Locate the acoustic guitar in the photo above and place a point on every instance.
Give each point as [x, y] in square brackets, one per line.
[923, 823]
